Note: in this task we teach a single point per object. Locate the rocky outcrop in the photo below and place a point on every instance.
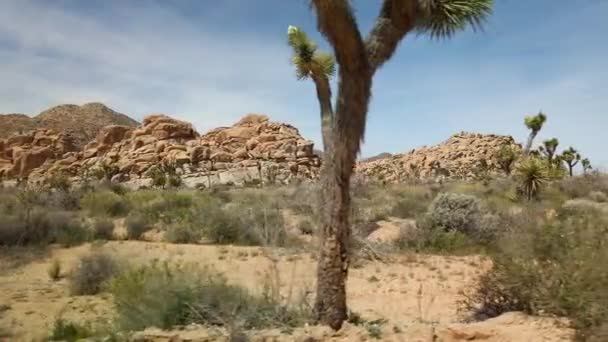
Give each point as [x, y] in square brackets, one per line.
[252, 150]
[462, 156]
[23, 153]
[83, 123]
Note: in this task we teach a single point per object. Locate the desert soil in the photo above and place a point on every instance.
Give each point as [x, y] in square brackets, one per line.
[417, 294]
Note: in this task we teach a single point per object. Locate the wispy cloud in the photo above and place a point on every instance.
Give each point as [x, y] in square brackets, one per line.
[155, 60]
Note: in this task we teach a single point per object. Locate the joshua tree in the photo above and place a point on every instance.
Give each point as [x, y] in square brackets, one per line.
[358, 61]
[586, 165]
[548, 148]
[571, 157]
[319, 67]
[532, 175]
[507, 155]
[534, 123]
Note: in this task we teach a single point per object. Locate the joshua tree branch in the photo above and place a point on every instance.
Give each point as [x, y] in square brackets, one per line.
[396, 19]
[326, 109]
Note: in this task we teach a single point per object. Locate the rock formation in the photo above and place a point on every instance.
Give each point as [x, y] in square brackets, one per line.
[81, 122]
[252, 150]
[21, 154]
[462, 156]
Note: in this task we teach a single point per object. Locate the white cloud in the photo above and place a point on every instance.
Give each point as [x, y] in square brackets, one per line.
[147, 59]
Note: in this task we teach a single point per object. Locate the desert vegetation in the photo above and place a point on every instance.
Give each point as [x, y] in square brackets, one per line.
[544, 235]
[245, 232]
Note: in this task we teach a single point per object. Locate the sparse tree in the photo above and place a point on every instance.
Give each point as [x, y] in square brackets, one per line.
[358, 61]
[532, 175]
[548, 148]
[571, 157]
[507, 155]
[534, 124]
[586, 165]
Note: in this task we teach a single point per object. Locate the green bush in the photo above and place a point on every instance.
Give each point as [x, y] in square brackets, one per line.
[67, 230]
[136, 225]
[161, 296]
[40, 226]
[183, 233]
[105, 203]
[69, 331]
[91, 274]
[409, 202]
[103, 229]
[555, 268]
[454, 212]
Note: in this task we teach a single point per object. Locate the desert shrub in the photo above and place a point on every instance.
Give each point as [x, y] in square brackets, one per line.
[306, 227]
[161, 296]
[104, 203]
[69, 331]
[260, 225]
[103, 229]
[555, 268]
[174, 181]
[183, 233]
[435, 241]
[453, 212]
[136, 225]
[54, 270]
[40, 226]
[582, 186]
[166, 206]
[410, 202]
[598, 196]
[66, 229]
[91, 274]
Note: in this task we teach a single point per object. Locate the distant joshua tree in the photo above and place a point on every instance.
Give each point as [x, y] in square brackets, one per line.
[359, 58]
[571, 157]
[535, 124]
[586, 165]
[548, 148]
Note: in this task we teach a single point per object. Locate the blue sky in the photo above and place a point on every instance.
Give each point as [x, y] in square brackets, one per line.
[210, 62]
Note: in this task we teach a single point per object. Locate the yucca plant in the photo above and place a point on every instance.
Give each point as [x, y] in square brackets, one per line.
[359, 59]
[534, 124]
[571, 157]
[532, 175]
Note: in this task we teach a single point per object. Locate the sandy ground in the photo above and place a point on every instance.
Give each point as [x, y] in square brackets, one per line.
[416, 294]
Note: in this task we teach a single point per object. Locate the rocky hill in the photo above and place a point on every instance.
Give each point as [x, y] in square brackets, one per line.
[81, 122]
[252, 150]
[462, 156]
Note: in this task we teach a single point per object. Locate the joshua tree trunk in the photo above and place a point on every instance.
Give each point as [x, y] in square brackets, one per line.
[358, 61]
[570, 169]
[327, 112]
[530, 141]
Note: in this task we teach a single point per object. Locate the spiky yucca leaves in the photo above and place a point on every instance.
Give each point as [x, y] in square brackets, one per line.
[534, 124]
[532, 175]
[571, 157]
[443, 18]
[308, 61]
